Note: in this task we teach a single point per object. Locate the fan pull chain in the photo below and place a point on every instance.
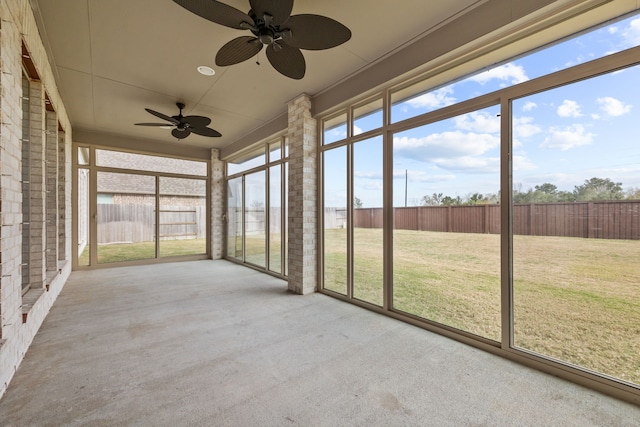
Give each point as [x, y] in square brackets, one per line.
[258, 58]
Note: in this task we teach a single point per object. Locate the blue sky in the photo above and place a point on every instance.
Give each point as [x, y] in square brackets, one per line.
[563, 136]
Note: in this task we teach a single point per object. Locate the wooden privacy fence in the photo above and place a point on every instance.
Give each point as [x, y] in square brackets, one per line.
[599, 220]
[135, 223]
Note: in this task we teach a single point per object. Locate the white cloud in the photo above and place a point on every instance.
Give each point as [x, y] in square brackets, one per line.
[455, 150]
[470, 163]
[521, 163]
[445, 145]
[523, 127]
[613, 107]
[569, 109]
[422, 176]
[511, 73]
[567, 138]
[370, 185]
[336, 134]
[631, 34]
[481, 122]
[367, 175]
[435, 99]
[357, 130]
[528, 106]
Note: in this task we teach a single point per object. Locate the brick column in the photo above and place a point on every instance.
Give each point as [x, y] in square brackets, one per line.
[62, 197]
[217, 205]
[303, 197]
[51, 188]
[36, 186]
[10, 187]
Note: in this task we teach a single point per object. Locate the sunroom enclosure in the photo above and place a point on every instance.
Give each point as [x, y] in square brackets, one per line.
[501, 208]
[134, 207]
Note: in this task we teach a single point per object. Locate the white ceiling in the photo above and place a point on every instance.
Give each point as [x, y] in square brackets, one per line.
[113, 58]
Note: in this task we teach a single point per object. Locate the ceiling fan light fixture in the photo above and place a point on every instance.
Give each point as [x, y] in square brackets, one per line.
[273, 28]
[206, 71]
[183, 126]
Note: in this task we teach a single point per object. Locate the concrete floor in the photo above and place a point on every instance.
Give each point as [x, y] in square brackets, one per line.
[211, 343]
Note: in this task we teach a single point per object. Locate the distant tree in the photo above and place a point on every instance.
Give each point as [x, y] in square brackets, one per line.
[565, 196]
[451, 201]
[547, 188]
[633, 193]
[481, 199]
[357, 203]
[434, 200]
[599, 189]
[519, 196]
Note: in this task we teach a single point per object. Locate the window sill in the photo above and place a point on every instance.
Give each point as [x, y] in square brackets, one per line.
[29, 299]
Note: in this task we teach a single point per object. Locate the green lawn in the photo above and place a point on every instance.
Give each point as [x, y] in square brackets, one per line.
[576, 300]
[144, 250]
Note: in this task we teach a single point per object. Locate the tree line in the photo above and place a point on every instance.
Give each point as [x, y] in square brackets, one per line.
[593, 189]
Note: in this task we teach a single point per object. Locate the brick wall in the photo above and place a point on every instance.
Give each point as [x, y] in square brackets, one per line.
[218, 205]
[17, 26]
[303, 196]
[51, 187]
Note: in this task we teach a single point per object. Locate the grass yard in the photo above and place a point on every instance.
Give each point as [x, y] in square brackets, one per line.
[119, 252]
[255, 252]
[575, 300]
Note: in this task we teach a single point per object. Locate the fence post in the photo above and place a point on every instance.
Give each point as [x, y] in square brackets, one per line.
[449, 219]
[485, 225]
[589, 220]
[531, 213]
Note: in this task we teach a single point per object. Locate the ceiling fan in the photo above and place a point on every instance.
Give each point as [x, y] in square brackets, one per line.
[272, 25]
[183, 126]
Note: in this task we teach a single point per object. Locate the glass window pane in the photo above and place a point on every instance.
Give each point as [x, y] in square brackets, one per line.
[275, 151]
[183, 221]
[367, 221]
[248, 161]
[255, 219]
[335, 219]
[275, 219]
[126, 220]
[143, 162]
[367, 117]
[83, 217]
[334, 129]
[446, 241]
[422, 97]
[286, 218]
[234, 218]
[576, 210]
[83, 156]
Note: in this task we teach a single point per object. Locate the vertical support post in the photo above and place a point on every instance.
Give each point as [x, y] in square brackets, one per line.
[303, 196]
[218, 205]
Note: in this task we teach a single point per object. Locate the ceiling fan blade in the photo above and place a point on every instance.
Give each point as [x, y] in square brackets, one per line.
[217, 12]
[287, 60]
[238, 50]
[315, 32]
[180, 134]
[280, 10]
[197, 121]
[205, 131]
[162, 116]
[154, 124]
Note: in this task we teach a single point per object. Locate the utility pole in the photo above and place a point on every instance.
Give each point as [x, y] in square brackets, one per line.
[406, 181]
